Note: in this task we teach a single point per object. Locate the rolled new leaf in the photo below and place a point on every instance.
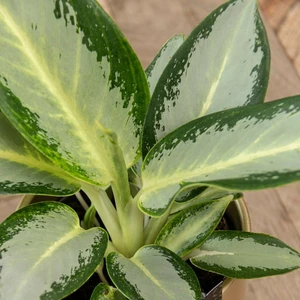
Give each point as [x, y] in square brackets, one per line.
[224, 63]
[245, 255]
[246, 148]
[24, 170]
[72, 85]
[188, 229]
[105, 292]
[154, 272]
[45, 254]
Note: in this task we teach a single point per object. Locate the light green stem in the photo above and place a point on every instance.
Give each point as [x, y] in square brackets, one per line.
[130, 217]
[110, 248]
[101, 274]
[154, 227]
[106, 212]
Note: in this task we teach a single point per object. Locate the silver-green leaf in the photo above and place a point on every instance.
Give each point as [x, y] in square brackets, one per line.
[162, 59]
[45, 254]
[71, 84]
[245, 148]
[224, 63]
[245, 255]
[154, 272]
[24, 170]
[188, 229]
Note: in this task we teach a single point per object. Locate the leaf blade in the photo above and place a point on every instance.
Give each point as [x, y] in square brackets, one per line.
[52, 85]
[227, 51]
[188, 229]
[151, 263]
[246, 255]
[157, 66]
[103, 291]
[31, 228]
[26, 171]
[245, 148]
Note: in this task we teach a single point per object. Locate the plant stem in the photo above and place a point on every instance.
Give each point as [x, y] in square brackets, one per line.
[110, 248]
[81, 201]
[106, 211]
[101, 274]
[130, 217]
[154, 227]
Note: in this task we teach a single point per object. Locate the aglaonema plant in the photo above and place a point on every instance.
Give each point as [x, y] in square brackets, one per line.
[76, 115]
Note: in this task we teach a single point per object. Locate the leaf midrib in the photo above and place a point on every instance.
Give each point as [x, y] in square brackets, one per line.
[215, 84]
[178, 241]
[240, 159]
[50, 250]
[148, 274]
[31, 162]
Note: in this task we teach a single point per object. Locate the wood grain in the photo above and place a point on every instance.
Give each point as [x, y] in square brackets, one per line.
[147, 25]
[276, 10]
[289, 35]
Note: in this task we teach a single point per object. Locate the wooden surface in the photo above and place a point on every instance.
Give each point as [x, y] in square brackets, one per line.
[147, 25]
[283, 16]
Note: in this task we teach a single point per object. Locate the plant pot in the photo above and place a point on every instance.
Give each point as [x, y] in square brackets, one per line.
[236, 213]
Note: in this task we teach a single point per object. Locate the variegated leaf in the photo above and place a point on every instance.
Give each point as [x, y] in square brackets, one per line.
[106, 292]
[224, 63]
[245, 255]
[38, 262]
[161, 60]
[190, 193]
[71, 84]
[209, 194]
[154, 272]
[24, 170]
[188, 229]
[245, 148]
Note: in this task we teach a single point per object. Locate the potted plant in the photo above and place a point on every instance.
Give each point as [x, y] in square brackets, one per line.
[76, 115]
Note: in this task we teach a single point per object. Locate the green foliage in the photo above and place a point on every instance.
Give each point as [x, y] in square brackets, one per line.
[76, 114]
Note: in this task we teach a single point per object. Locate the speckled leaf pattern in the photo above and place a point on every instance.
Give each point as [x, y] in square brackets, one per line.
[224, 63]
[154, 272]
[208, 195]
[106, 292]
[246, 148]
[188, 229]
[161, 60]
[66, 69]
[45, 254]
[238, 254]
[25, 170]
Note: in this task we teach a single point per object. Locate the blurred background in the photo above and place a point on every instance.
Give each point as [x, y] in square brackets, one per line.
[147, 25]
